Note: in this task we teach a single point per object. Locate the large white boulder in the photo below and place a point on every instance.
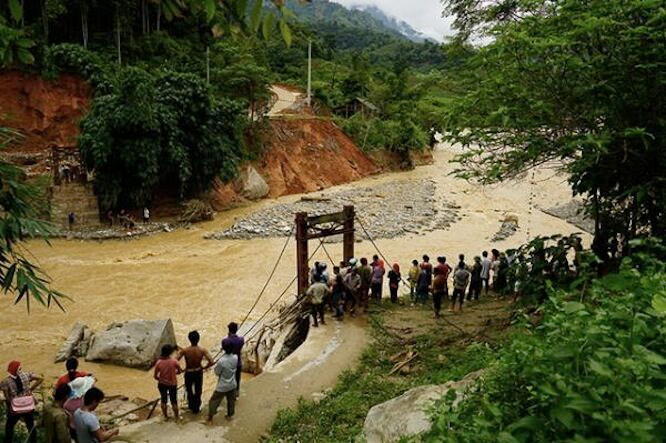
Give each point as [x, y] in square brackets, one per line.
[135, 343]
[254, 185]
[407, 415]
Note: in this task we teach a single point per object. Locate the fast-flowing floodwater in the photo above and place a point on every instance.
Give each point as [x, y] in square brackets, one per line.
[204, 284]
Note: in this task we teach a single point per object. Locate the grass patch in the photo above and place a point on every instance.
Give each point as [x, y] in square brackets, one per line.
[340, 415]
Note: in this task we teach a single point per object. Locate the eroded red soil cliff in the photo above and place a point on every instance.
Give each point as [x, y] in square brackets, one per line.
[47, 113]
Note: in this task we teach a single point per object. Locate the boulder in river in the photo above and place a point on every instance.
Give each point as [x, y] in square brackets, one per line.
[134, 343]
[407, 415]
[74, 345]
[254, 185]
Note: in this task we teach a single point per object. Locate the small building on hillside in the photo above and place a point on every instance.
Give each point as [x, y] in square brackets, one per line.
[357, 105]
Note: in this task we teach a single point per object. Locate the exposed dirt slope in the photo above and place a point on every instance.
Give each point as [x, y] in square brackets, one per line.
[308, 155]
[46, 112]
[303, 155]
[300, 155]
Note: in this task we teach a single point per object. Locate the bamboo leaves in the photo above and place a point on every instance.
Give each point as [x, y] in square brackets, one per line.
[20, 220]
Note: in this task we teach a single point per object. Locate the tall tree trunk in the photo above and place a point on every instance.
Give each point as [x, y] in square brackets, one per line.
[120, 60]
[84, 23]
[22, 13]
[251, 103]
[45, 21]
[207, 65]
[159, 16]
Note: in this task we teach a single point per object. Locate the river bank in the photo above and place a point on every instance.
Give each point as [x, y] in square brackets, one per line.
[314, 367]
[202, 284]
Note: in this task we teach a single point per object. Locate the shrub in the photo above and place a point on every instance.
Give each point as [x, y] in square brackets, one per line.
[591, 371]
[158, 130]
[75, 59]
[377, 133]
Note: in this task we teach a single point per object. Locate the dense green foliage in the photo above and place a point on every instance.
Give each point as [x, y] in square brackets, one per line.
[21, 211]
[118, 21]
[163, 130]
[577, 82]
[591, 370]
[224, 59]
[339, 416]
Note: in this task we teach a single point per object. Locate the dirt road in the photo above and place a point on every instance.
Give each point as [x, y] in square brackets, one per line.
[286, 99]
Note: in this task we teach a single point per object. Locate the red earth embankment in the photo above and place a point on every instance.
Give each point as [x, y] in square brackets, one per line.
[303, 155]
[47, 113]
[299, 155]
[309, 155]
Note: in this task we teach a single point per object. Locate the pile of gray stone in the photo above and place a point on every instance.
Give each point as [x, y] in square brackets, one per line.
[508, 228]
[387, 211]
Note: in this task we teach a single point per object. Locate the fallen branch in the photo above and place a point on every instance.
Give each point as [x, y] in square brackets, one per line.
[400, 365]
[138, 408]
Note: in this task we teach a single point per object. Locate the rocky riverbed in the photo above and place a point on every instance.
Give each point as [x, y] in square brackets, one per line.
[574, 213]
[116, 232]
[387, 211]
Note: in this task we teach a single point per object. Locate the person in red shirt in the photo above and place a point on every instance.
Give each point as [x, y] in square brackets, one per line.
[444, 271]
[166, 374]
[72, 364]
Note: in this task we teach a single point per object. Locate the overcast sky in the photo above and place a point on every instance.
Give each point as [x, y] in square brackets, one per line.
[422, 15]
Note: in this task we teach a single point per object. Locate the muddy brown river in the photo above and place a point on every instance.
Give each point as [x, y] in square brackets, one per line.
[204, 284]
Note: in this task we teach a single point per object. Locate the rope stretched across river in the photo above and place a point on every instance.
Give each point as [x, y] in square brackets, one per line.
[270, 277]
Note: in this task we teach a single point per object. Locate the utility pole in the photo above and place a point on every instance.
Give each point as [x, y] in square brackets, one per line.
[309, 71]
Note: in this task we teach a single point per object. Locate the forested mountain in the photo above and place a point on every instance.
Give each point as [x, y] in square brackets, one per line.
[349, 31]
[393, 23]
[325, 12]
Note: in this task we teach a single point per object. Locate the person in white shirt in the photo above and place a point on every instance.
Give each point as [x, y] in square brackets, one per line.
[485, 271]
[225, 369]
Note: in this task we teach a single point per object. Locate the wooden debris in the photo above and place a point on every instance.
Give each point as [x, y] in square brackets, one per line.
[398, 366]
[315, 198]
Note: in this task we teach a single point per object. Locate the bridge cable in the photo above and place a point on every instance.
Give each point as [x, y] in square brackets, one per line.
[277, 262]
[217, 355]
[280, 296]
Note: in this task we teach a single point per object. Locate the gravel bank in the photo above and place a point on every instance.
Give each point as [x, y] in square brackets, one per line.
[387, 211]
[572, 212]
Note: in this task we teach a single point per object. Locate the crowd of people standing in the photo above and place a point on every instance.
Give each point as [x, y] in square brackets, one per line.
[71, 415]
[354, 283]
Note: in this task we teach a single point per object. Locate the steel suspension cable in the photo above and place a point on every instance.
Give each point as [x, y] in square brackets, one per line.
[270, 277]
[279, 297]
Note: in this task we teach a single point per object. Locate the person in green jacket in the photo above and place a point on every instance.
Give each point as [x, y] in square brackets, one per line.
[365, 272]
[56, 419]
